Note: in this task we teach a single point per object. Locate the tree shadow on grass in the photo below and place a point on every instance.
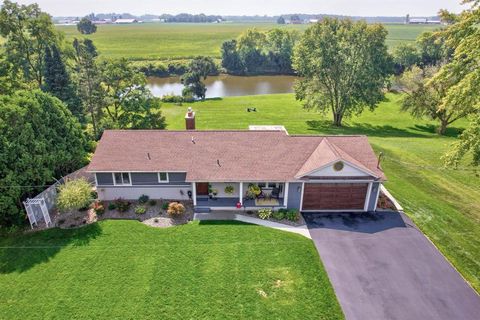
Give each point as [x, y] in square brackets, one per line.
[430, 128]
[21, 253]
[326, 127]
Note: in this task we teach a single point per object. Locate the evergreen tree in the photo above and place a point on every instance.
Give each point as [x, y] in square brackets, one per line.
[57, 81]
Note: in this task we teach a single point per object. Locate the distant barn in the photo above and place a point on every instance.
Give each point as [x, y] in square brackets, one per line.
[125, 21]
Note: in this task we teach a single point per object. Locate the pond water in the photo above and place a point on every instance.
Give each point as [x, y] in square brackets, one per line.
[226, 85]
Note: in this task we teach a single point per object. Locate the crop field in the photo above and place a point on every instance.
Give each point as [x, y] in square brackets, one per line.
[157, 41]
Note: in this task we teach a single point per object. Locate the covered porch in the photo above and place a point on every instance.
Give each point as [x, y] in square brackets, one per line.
[231, 195]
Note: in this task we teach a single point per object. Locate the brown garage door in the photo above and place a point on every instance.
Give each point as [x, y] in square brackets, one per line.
[334, 196]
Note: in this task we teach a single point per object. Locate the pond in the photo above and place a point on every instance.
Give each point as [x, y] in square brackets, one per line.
[226, 85]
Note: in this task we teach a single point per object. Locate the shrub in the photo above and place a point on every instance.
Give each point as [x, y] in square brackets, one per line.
[74, 195]
[279, 215]
[172, 98]
[143, 199]
[165, 205]
[229, 189]
[122, 204]
[98, 207]
[175, 209]
[292, 215]
[112, 206]
[152, 202]
[94, 195]
[264, 213]
[140, 209]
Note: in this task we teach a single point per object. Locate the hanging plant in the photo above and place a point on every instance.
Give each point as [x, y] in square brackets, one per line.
[229, 189]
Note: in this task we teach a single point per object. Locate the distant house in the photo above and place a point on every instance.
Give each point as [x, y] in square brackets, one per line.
[126, 21]
[313, 21]
[231, 169]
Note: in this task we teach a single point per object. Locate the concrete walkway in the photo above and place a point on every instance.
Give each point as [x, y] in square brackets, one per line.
[224, 215]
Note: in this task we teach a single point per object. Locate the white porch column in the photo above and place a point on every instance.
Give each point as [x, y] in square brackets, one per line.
[240, 193]
[285, 194]
[194, 193]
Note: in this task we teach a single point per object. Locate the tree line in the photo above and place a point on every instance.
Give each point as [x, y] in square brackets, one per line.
[190, 18]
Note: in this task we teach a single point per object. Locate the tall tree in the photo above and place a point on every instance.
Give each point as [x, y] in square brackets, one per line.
[90, 89]
[464, 73]
[128, 102]
[57, 81]
[281, 20]
[28, 32]
[343, 65]
[424, 97]
[198, 70]
[404, 57]
[86, 26]
[39, 140]
[230, 58]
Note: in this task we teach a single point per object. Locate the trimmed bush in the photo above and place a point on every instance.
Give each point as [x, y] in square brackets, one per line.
[143, 199]
[165, 205]
[279, 215]
[292, 215]
[152, 202]
[140, 209]
[122, 204]
[112, 206]
[264, 213]
[175, 209]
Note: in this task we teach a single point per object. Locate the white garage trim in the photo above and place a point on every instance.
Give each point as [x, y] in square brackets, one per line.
[367, 197]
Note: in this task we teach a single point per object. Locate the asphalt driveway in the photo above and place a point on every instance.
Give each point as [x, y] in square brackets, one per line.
[382, 267]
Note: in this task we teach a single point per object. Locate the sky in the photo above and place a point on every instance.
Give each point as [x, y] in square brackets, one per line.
[249, 7]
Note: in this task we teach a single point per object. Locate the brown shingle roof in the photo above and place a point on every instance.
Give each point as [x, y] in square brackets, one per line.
[242, 155]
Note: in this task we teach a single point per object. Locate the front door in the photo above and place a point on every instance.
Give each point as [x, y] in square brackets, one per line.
[202, 188]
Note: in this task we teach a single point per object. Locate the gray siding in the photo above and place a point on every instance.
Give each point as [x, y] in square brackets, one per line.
[294, 195]
[104, 179]
[373, 196]
[151, 179]
[144, 179]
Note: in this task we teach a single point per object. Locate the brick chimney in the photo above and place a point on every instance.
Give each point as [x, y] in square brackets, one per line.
[190, 119]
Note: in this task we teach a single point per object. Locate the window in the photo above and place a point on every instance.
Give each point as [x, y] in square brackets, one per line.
[271, 184]
[162, 177]
[261, 184]
[121, 178]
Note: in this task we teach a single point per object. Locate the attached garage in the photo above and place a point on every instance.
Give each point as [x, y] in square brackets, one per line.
[334, 196]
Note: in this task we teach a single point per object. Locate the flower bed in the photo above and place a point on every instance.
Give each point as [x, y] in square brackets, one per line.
[288, 217]
[140, 210]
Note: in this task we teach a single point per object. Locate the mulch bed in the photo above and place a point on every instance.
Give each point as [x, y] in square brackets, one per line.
[155, 216]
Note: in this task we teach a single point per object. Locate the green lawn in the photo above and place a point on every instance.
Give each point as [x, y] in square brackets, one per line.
[124, 269]
[445, 204]
[157, 41]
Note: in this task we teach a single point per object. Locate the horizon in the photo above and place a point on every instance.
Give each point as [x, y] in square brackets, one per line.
[363, 8]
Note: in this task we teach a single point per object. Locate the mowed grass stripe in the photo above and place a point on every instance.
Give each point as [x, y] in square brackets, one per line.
[212, 270]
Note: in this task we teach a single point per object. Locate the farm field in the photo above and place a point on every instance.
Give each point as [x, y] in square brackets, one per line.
[443, 203]
[157, 41]
[127, 270]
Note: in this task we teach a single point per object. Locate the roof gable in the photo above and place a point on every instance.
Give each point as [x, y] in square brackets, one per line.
[325, 155]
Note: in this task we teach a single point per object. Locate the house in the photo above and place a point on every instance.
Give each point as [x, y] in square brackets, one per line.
[218, 169]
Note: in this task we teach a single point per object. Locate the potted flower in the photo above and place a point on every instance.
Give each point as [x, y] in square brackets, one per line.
[214, 193]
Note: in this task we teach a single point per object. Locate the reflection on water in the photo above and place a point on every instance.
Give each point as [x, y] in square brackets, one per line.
[226, 85]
